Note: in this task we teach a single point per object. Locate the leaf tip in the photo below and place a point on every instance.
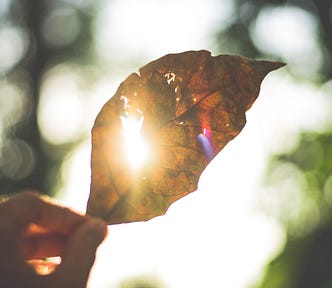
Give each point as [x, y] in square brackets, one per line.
[265, 66]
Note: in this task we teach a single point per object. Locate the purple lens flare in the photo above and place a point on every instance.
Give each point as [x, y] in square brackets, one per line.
[206, 142]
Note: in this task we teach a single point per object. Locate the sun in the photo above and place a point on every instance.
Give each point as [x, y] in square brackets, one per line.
[136, 149]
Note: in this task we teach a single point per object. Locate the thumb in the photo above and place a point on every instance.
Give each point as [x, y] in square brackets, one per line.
[79, 254]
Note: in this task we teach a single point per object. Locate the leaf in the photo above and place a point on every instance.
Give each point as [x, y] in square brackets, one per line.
[182, 109]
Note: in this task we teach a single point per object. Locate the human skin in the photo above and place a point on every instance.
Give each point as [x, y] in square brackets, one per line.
[32, 227]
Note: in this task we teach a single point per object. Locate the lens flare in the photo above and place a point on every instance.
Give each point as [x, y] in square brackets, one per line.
[207, 145]
[135, 147]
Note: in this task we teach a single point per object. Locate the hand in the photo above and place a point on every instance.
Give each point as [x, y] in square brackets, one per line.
[33, 228]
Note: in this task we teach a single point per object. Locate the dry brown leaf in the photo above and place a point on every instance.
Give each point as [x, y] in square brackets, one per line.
[182, 109]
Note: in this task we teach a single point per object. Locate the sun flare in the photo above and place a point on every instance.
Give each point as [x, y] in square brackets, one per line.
[135, 147]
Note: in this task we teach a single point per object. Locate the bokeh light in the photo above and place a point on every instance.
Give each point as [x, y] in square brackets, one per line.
[13, 45]
[13, 104]
[17, 159]
[283, 25]
[150, 29]
[61, 26]
[61, 106]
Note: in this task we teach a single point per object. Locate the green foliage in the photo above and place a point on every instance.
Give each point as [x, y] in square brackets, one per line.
[141, 282]
[307, 255]
[304, 263]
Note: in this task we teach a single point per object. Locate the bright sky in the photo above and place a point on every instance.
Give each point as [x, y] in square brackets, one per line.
[217, 236]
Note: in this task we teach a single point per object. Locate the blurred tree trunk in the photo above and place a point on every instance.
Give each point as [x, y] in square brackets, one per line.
[324, 10]
[31, 134]
[29, 16]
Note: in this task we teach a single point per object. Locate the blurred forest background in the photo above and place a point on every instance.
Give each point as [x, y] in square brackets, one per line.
[51, 60]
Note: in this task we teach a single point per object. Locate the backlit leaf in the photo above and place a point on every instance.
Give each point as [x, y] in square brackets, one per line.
[154, 137]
